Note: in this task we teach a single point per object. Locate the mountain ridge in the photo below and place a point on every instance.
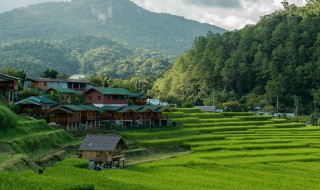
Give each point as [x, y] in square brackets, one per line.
[121, 20]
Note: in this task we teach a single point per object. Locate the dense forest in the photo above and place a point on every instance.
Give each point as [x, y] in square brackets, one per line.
[88, 55]
[278, 58]
[121, 20]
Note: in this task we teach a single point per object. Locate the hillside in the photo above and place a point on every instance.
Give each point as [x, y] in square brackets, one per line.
[85, 54]
[228, 151]
[116, 19]
[31, 144]
[277, 57]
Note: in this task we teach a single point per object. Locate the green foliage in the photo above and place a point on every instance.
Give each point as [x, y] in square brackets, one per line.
[126, 22]
[268, 60]
[8, 120]
[49, 73]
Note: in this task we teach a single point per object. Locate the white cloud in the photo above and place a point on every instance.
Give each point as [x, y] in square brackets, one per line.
[228, 14]
[227, 17]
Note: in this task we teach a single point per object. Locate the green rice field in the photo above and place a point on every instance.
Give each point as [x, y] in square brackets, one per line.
[232, 151]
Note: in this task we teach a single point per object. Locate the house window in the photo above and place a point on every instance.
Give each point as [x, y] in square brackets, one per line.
[99, 97]
[89, 97]
[45, 84]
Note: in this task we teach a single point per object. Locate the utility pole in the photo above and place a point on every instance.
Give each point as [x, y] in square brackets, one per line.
[277, 106]
[296, 103]
[213, 107]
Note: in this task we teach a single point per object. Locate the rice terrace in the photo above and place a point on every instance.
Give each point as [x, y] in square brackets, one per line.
[227, 151]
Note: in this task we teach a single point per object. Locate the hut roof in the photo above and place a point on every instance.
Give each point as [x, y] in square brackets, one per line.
[102, 142]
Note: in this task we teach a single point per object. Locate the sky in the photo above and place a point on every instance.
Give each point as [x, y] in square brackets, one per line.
[228, 14]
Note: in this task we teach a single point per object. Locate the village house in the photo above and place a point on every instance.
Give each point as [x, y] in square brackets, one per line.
[76, 117]
[105, 150]
[47, 83]
[65, 95]
[106, 96]
[36, 105]
[9, 87]
[135, 115]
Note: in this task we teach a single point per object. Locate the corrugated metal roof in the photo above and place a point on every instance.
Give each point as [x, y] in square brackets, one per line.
[8, 77]
[102, 142]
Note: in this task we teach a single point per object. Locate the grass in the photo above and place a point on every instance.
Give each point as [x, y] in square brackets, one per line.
[238, 151]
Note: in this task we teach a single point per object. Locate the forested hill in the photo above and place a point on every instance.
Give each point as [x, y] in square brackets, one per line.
[86, 54]
[277, 57]
[116, 19]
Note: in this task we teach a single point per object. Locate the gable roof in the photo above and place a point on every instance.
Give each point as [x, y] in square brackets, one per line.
[90, 108]
[37, 100]
[62, 109]
[39, 79]
[110, 91]
[102, 142]
[8, 78]
[74, 107]
[111, 108]
[63, 90]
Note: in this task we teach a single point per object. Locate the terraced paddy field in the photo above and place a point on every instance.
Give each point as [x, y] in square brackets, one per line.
[228, 151]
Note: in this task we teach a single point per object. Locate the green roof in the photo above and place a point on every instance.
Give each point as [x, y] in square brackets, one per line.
[90, 108]
[74, 107]
[112, 91]
[64, 90]
[66, 110]
[111, 108]
[162, 109]
[124, 109]
[38, 100]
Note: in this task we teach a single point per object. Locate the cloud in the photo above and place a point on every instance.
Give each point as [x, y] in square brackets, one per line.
[228, 14]
[215, 3]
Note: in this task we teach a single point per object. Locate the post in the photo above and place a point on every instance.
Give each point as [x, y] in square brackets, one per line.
[213, 104]
[277, 106]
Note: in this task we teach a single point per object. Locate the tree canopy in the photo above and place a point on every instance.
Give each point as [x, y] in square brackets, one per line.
[277, 57]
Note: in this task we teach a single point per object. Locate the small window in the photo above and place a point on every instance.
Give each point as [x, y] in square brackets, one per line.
[90, 97]
[45, 84]
[99, 97]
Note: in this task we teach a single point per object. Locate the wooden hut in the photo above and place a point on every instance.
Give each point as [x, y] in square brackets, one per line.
[103, 149]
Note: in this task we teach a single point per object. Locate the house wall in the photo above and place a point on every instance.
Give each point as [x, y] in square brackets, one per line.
[95, 97]
[103, 156]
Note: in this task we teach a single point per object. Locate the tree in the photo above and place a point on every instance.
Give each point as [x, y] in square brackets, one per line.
[49, 73]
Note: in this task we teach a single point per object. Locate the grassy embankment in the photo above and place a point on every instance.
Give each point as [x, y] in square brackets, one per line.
[226, 154]
[29, 144]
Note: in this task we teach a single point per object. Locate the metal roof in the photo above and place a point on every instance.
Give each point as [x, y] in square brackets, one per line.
[111, 91]
[63, 90]
[102, 142]
[38, 100]
[9, 78]
[111, 108]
